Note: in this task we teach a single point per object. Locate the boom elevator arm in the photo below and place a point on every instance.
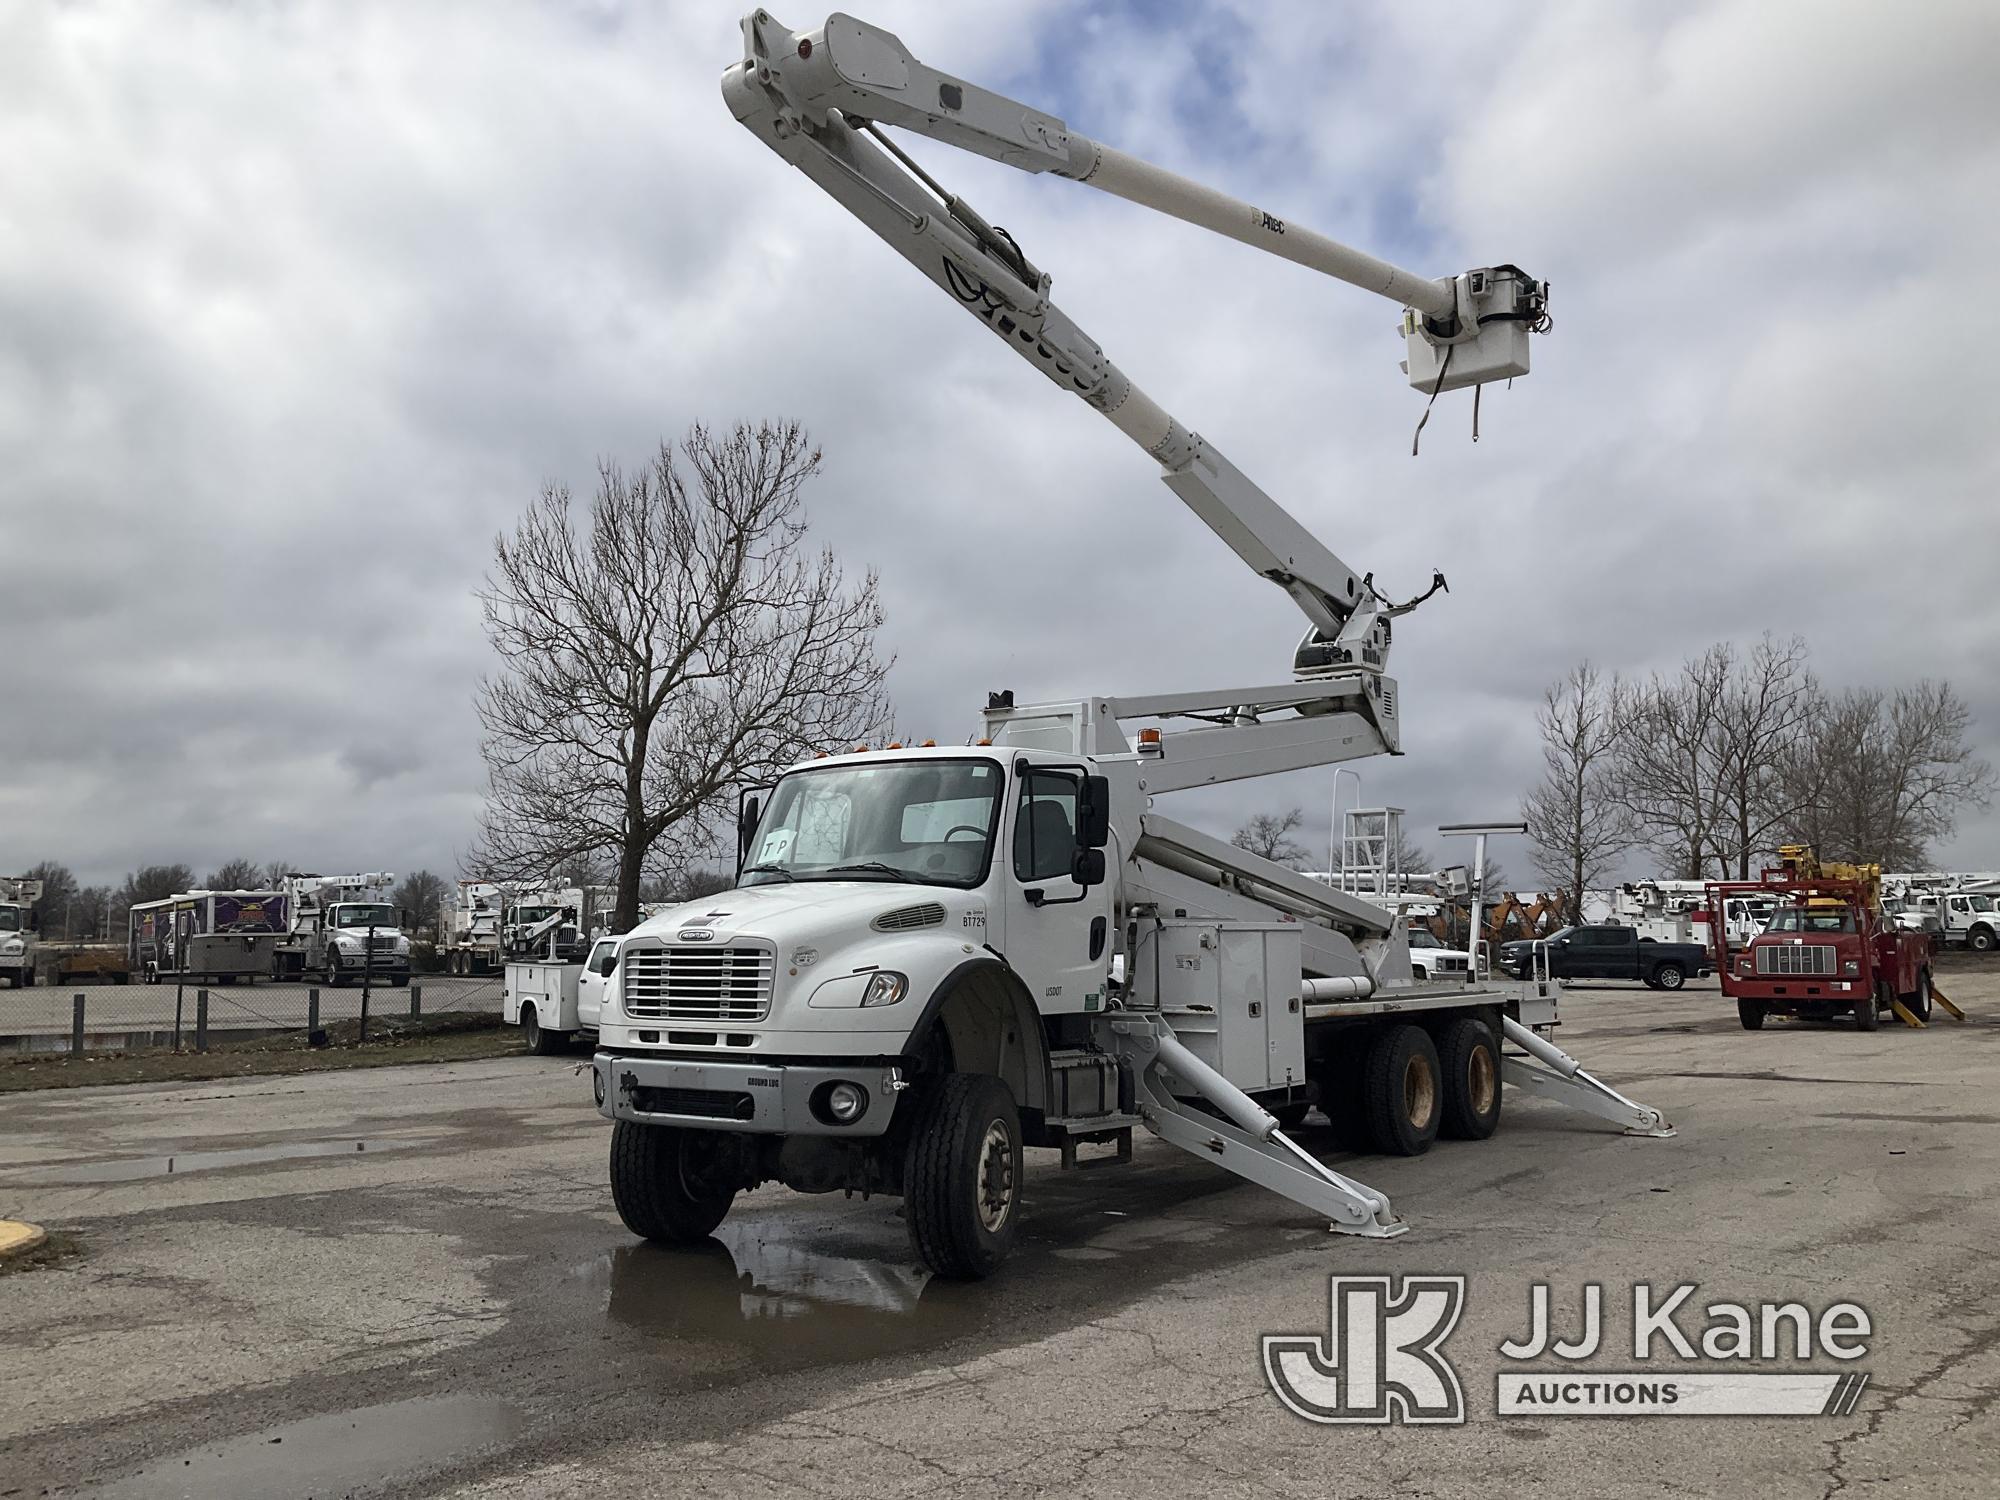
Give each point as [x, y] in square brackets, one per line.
[815, 98]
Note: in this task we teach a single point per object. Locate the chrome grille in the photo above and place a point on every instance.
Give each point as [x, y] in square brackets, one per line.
[697, 984]
[909, 918]
[1797, 959]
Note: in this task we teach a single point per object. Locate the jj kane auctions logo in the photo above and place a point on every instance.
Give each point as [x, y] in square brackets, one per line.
[1382, 1359]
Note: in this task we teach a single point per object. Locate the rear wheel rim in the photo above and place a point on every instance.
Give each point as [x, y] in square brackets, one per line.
[1419, 1092]
[996, 1177]
[1479, 1081]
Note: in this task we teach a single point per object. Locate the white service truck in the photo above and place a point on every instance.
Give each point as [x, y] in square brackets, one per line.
[18, 895]
[936, 957]
[340, 927]
[551, 992]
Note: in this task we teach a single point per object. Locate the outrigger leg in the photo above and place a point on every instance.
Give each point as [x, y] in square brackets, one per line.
[1568, 1083]
[1249, 1142]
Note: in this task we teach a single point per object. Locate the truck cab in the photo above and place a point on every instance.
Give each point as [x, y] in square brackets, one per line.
[876, 887]
[1961, 918]
[17, 943]
[353, 937]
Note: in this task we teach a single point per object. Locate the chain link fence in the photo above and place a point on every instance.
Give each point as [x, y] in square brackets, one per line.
[107, 1016]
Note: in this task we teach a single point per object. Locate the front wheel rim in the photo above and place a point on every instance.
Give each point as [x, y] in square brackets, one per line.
[996, 1177]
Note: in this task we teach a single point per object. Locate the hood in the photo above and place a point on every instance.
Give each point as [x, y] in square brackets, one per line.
[785, 908]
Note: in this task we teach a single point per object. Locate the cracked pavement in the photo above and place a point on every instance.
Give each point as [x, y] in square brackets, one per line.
[454, 1310]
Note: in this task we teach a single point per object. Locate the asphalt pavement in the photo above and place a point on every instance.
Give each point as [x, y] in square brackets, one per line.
[411, 1281]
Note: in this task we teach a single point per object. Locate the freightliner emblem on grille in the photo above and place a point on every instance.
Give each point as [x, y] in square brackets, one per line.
[696, 935]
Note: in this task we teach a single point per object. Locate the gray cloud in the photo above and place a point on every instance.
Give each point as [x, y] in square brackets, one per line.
[301, 307]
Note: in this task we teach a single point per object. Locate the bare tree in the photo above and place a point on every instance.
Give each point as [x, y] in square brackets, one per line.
[149, 883]
[275, 872]
[420, 896]
[90, 913]
[1665, 767]
[684, 642]
[1269, 836]
[1766, 713]
[1578, 824]
[1885, 775]
[237, 875]
[52, 910]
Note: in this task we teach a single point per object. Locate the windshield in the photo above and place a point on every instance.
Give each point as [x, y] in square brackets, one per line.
[527, 916]
[10, 919]
[1811, 919]
[364, 914]
[1422, 939]
[1984, 903]
[929, 821]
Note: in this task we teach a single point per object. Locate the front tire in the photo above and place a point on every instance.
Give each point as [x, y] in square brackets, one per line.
[1470, 1064]
[1751, 1013]
[1981, 940]
[962, 1174]
[1669, 977]
[1402, 1091]
[665, 1184]
[1867, 1014]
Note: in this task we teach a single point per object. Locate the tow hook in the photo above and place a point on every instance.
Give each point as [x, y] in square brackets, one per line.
[893, 1081]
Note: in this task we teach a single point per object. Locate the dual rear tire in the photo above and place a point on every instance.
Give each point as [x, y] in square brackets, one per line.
[1406, 1087]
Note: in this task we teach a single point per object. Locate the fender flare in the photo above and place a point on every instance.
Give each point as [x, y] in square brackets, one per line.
[1027, 1021]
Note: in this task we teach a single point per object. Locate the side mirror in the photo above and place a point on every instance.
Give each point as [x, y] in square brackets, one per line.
[746, 827]
[1086, 867]
[1093, 816]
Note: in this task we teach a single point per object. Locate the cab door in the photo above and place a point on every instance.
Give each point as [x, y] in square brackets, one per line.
[1057, 929]
[595, 979]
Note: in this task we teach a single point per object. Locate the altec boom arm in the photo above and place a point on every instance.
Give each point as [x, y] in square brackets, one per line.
[817, 99]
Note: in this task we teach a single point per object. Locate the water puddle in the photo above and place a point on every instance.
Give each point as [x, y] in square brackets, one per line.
[136, 1168]
[330, 1455]
[780, 1301]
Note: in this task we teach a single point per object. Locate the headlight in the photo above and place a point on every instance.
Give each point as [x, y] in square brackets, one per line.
[885, 988]
[13, 946]
[1852, 966]
[347, 942]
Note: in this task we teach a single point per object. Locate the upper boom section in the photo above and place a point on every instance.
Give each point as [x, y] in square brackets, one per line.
[816, 99]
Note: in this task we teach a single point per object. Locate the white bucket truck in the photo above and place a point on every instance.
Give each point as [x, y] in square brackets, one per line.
[938, 956]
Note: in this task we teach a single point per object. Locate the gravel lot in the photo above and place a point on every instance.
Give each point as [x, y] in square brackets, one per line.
[411, 1281]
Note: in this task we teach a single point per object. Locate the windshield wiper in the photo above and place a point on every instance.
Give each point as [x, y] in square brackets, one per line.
[769, 870]
[871, 867]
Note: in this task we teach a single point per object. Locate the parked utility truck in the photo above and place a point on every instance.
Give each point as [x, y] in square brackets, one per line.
[18, 895]
[554, 988]
[1829, 949]
[497, 921]
[937, 956]
[340, 927]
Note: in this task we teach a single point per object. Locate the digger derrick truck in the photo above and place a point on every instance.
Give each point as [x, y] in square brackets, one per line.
[937, 956]
[1828, 949]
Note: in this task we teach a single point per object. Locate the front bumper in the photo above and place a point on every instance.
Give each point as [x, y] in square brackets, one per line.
[758, 1098]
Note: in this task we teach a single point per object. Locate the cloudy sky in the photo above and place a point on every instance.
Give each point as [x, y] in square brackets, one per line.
[300, 304]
